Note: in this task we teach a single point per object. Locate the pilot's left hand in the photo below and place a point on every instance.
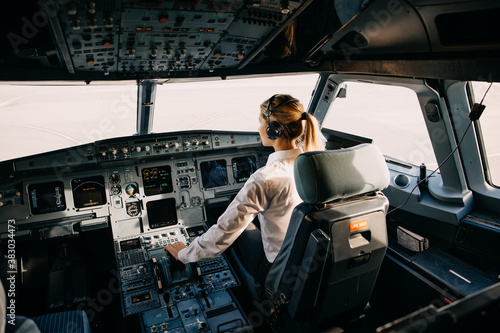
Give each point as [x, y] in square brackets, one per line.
[174, 249]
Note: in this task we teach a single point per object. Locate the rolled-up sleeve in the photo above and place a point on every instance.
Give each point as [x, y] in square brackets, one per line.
[249, 201]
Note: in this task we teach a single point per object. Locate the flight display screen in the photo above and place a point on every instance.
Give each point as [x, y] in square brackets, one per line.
[157, 180]
[161, 213]
[213, 173]
[243, 168]
[88, 191]
[47, 197]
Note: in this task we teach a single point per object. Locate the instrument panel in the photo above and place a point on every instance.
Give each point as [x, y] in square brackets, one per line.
[154, 188]
[147, 201]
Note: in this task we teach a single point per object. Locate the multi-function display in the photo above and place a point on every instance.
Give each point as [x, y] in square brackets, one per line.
[213, 173]
[161, 213]
[47, 197]
[157, 180]
[88, 191]
[243, 168]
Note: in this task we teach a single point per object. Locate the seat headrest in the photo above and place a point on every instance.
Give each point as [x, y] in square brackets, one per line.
[324, 176]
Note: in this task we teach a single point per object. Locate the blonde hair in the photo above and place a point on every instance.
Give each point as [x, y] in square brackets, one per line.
[284, 44]
[290, 116]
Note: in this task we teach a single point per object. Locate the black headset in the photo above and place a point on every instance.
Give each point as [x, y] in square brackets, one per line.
[274, 129]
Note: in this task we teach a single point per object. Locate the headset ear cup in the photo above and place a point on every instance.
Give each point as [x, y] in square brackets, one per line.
[274, 130]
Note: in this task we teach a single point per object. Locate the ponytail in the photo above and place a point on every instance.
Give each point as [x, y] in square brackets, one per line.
[312, 134]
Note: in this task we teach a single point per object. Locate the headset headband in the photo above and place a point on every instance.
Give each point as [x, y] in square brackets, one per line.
[269, 112]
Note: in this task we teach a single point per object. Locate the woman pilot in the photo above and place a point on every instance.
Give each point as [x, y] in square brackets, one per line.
[269, 193]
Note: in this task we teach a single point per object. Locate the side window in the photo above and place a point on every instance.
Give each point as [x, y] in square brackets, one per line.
[489, 121]
[389, 115]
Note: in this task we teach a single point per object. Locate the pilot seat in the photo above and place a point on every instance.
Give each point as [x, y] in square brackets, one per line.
[326, 269]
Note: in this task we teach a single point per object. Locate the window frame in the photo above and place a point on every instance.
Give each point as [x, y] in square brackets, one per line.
[449, 184]
[480, 138]
[485, 195]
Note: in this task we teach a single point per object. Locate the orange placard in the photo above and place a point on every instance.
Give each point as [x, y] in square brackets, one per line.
[358, 225]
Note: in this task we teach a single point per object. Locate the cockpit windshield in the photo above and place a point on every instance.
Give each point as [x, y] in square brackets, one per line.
[224, 105]
[39, 118]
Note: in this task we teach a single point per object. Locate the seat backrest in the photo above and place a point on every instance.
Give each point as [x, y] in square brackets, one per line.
[337, 237]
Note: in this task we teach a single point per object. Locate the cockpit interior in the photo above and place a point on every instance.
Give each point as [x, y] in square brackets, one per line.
[84, 223]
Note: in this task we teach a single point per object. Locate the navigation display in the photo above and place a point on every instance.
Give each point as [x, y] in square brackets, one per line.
[243, 168]
[161, 213]
[157, 180]
[47, 197]
[213, 173]
[88, 191]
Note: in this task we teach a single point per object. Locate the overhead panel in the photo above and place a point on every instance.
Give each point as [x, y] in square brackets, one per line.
[141, 38]
[92, 33]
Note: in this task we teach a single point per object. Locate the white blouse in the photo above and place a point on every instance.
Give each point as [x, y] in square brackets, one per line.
[270, 192]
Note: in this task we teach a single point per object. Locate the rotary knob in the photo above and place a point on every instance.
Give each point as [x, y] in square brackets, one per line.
[108, 22]
[75, 23]
[138, 149]
[114, 178]
[130, 52]
[71, 8]
[92, 22]
[91, 7]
